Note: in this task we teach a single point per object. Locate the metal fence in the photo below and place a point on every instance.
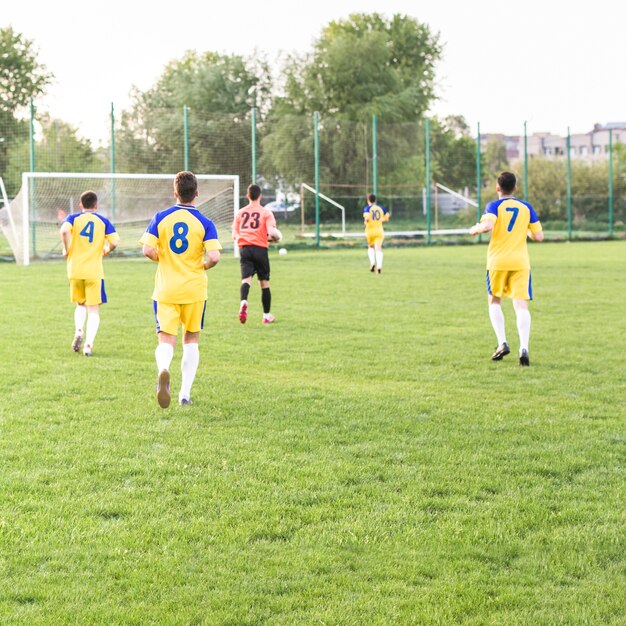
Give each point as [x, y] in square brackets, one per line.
[309, 164]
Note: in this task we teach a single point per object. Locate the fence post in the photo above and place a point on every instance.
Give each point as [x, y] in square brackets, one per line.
[113, 164]
[610, 182]
[569, 188]
[31, 183]
[317, 177]
[374, 154]
[479, 178]
[428, 179]
[186, 137]
[253, 128]
[525, 164]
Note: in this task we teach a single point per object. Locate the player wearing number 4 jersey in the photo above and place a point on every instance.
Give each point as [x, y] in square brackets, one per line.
[510, 221]
[184, 243]
[252, 227]
[87, 237]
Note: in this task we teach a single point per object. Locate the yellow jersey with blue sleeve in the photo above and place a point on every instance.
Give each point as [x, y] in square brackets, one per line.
[180, 235]
[89, 231]
[512, 219]
[377, 215]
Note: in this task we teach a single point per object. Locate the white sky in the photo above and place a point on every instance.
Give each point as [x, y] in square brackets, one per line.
[503, 63]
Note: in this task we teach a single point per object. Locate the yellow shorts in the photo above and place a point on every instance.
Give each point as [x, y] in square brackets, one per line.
[87, 291]
[169, 316]
[516, 284]
[374, 238]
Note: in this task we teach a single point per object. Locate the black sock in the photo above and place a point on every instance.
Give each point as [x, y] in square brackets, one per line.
[266, 299]
[244, 291]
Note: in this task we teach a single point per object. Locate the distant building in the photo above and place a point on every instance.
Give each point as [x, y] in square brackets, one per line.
[590, 146]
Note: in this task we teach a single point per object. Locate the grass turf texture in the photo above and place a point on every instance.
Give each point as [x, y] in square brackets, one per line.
[362, 461]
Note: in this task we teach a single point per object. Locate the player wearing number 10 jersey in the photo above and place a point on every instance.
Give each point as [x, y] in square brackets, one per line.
[87, 237]
[373, 216]
[178, 239]
[510, 221]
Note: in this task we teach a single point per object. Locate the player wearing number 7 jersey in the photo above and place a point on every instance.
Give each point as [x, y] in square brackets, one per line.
[510, 221]
[184, 243]
[87, 237]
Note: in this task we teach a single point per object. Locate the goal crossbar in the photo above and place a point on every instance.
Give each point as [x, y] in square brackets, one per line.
[29, 178]
[330, 201]
[456, 194]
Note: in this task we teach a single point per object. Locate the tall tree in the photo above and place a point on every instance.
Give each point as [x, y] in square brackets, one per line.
[59, 148]
[220, 91]
[21, 78]
[21, 75]
[366, 64]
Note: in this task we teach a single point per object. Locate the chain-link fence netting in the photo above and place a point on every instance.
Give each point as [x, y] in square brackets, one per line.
[316, 172]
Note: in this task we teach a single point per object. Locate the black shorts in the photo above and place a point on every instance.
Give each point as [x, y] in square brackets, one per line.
[254, 260]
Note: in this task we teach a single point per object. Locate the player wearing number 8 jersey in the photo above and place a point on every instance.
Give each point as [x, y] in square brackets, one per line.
[184, 243]
[87, 237]
[510, 221]
[252, 227]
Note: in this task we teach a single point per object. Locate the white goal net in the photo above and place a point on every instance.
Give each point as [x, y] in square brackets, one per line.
[31, 221]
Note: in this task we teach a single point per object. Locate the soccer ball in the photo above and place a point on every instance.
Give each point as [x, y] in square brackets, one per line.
[282, 251]
[274, 235]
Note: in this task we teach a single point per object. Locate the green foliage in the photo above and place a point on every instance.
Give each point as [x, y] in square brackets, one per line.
[58, 148]
[453, 152]
[367, 64]
[547, 189]
[21, 76]
[220, 91]
[494, 158]
[360, 66]
[362, 461]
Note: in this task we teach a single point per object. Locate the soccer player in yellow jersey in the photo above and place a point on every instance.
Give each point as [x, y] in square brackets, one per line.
[87, 237]
[510, 222]
[184, 243]
[373, 216]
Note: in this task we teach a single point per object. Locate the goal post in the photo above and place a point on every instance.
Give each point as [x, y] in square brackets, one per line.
[128, 200]
[330, 201]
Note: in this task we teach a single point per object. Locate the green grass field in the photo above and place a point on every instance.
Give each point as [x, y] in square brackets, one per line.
[362, 461]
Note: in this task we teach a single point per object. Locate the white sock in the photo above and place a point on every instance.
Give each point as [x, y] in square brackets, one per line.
[93, 321]
[164, 354]
[379, 259]
[371, 253]
[80, 315]
[497, 321]
[188, 367]
[523, 327]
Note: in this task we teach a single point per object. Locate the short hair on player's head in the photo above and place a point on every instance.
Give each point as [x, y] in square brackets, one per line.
[371, 197]
[507, 182]
[88, 199]
[186, 186]
[254, 192]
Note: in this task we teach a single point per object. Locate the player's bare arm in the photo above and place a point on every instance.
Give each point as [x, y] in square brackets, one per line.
[150, 253]
[538, 236]
[481, 227]
[109, 246]
[212, 259]
[65, 239]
